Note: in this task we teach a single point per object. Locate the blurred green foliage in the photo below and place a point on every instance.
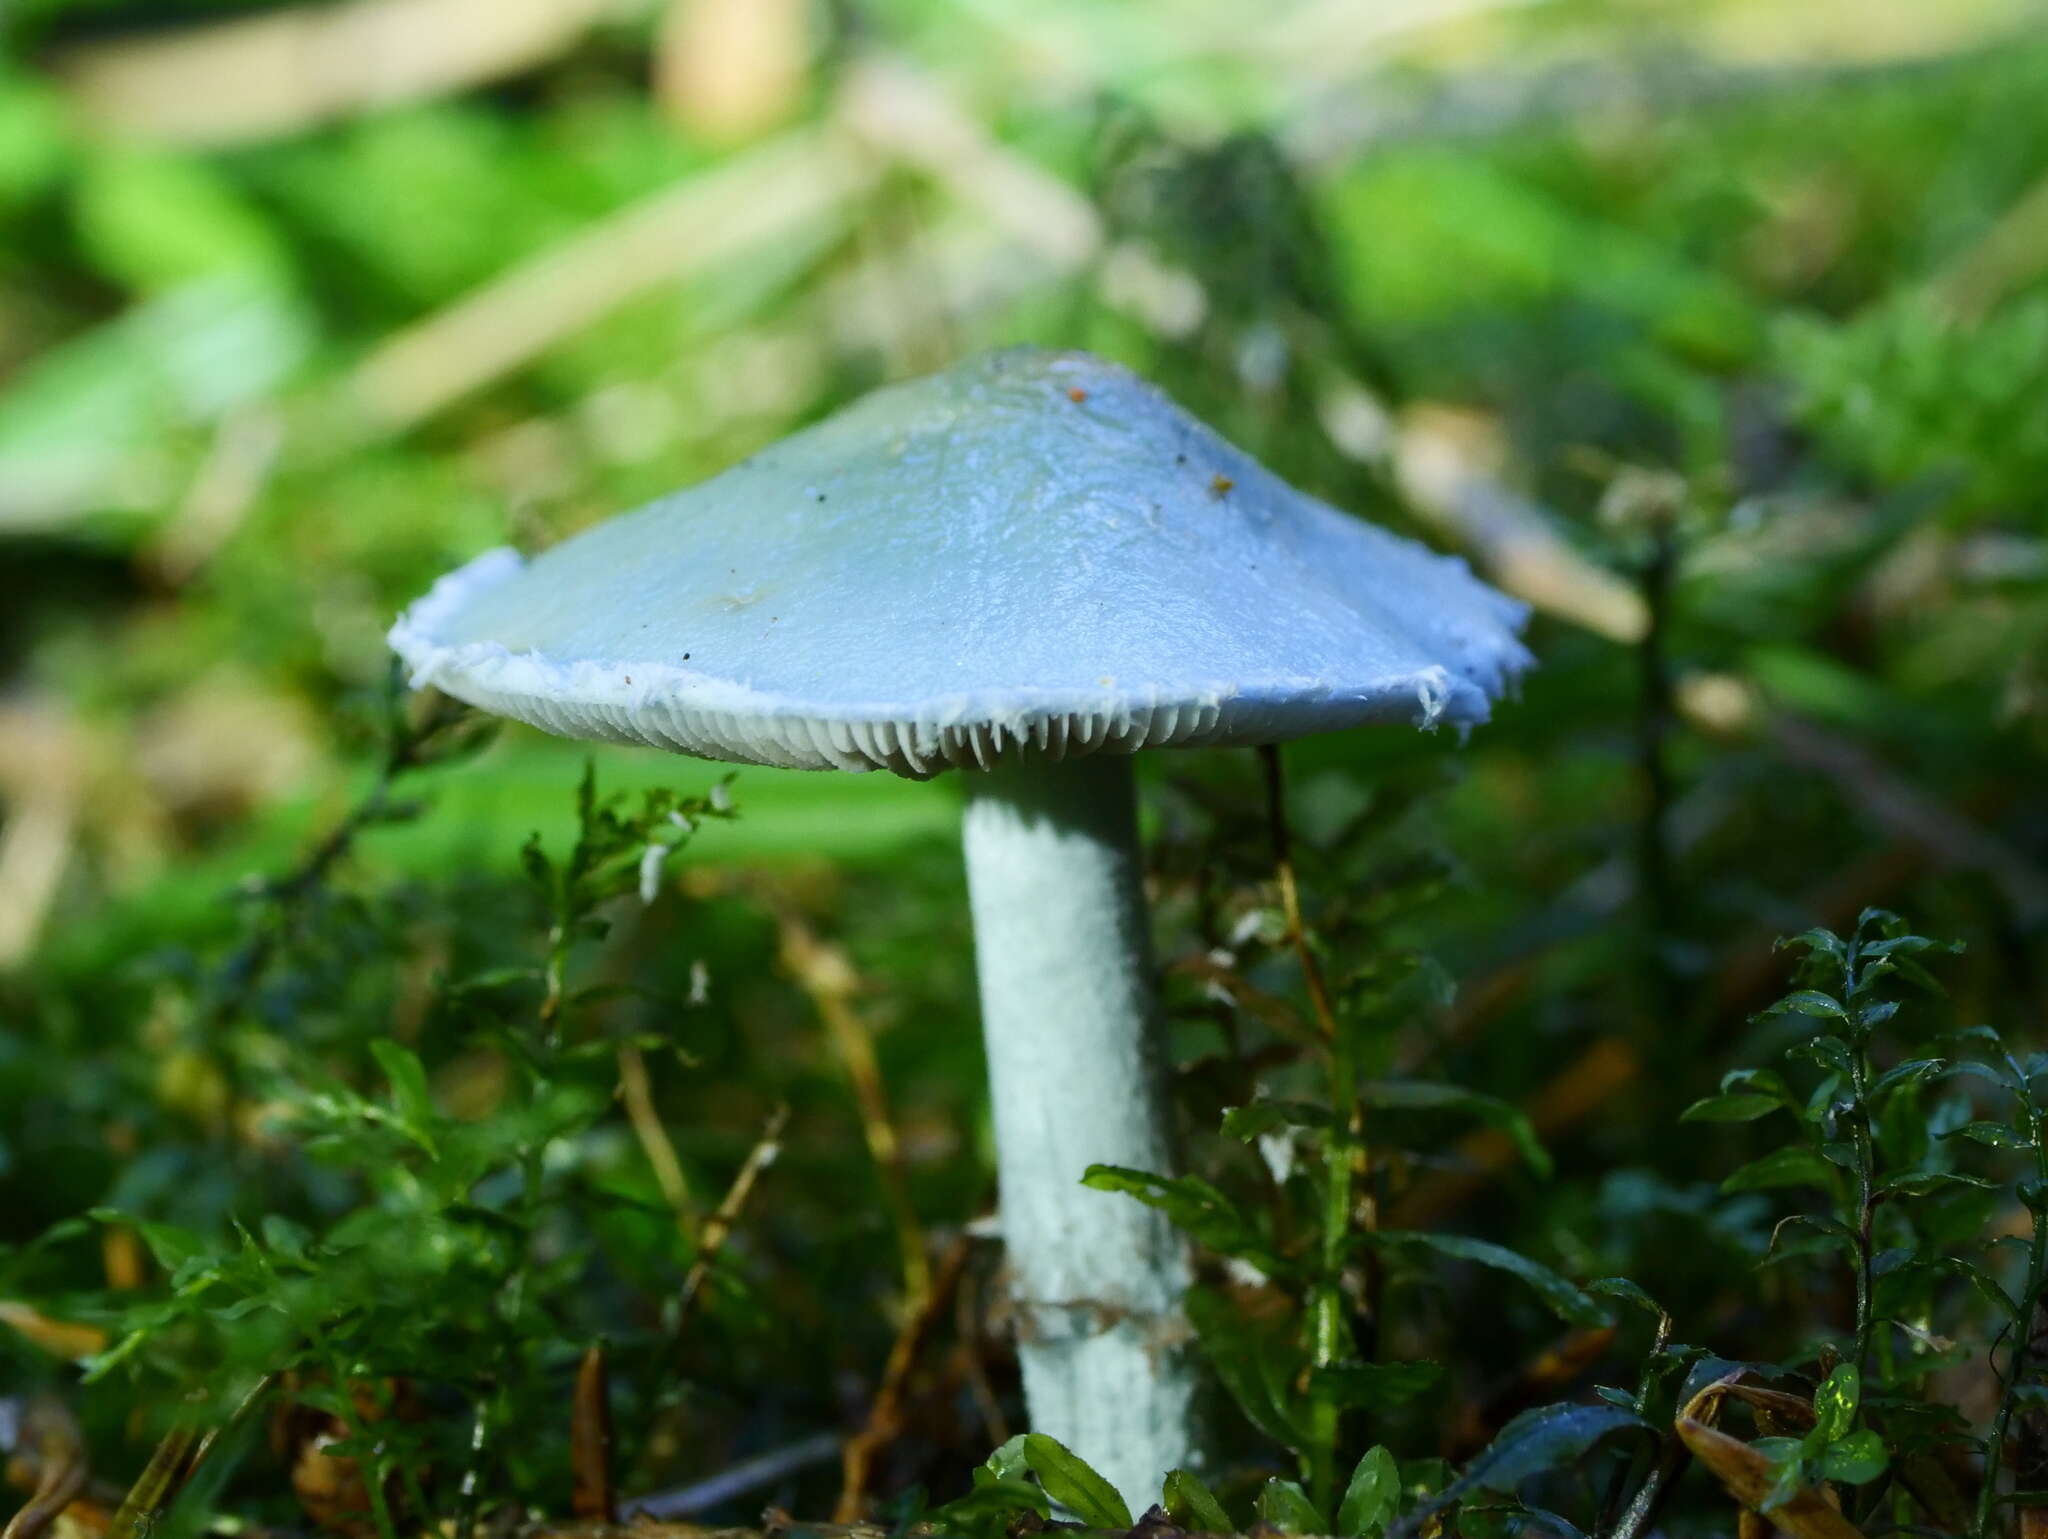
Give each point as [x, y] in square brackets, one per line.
[1737, 312]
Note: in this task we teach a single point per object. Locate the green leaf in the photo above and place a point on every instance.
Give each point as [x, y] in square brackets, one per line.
[171, 1245]
[1549, 1437]
[1424, 1095]
[1193, 1506]
[533, 860]
[992, 1503]
[1794, 1165]
[1856, 1459]
[1810, 1002]
[493, 978]
[1841, 1153]
[285, 1238]
[1788, 1475]
[1731, 1108]
[1904, 967]
[1982, 1037]
[1969, 1068]
[1835, 1402]
[1908, 945]
[1283, 1504]
[1987, 1286]
[408, 1076]
[1565, 1300]
[1761, 1081]
[1195, 1207]
[1373, 1386]
[1820, 943]
[1372, 1497]
[1628, 1292]
[1910, 1072]
[1256, 1369]
[152, 221]
[1550, 1522]
[1925, 1183]
[1008, 1462]
[1263, 1117]
[1827, 1051]
[35, 148]
[1070, 1480]
[1833, 1228]
[1995, 1135]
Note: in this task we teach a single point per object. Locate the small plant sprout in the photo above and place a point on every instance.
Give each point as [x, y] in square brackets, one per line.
[1025, 567]
[1900, 1215]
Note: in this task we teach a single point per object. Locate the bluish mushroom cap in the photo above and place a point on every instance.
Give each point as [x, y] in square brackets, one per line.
[1032, 551]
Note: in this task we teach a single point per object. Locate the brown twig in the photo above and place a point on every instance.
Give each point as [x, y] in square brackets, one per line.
[255, 77]
[230, 482]
[1269, 1010]
[727, 69]
[767, 194]
[156, 1487]
[885, 1415]
[244, 1408]
[2005, 258]
[61, 1468]
[826, 976]
[967, 1318]
[890, 103]
[637, 1094]
[1290, 897]
[60, 1338]
[591, 1492]
[1749, 1476]
[41, 771]
[648, 1528]
[718, 1227]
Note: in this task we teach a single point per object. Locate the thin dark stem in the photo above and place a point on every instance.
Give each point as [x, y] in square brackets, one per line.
[244, 1408]
[2023, 1320]
[1866, 1209]
[495, 1408]
[371, 1462]
[471, 1487]
[1329, 1338]
[407, 751]
[155, 1487]
[1652, 1494]
[719, 1226]
[1290, 898]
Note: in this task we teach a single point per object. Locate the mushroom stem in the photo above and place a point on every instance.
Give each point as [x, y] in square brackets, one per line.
[1078, 1076]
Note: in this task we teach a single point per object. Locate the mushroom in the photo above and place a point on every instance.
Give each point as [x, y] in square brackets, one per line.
[1029, 567]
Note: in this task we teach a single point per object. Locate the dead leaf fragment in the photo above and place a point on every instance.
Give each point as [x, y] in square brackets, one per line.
[591, 1493]
[1748, 1475]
